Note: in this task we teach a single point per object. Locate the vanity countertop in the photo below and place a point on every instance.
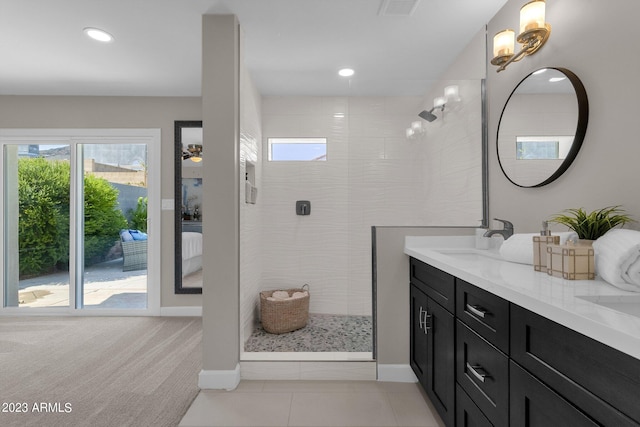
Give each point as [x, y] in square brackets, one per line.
[560, 300]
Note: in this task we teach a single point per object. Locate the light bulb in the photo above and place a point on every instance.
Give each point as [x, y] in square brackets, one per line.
[98, 34]
[532, 16]
[504, 43]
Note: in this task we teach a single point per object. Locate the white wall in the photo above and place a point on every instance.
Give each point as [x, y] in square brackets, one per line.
[374, 175]
[369, 167]
[605, 170]
[251, 249]
[68, 112]
[221, 59]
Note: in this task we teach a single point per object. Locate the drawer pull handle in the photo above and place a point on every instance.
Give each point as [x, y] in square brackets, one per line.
[477, 310]
[478, 372]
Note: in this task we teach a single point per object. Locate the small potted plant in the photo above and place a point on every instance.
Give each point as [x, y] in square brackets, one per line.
[590, 226]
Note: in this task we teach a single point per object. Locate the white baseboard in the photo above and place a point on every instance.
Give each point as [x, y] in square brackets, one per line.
[396, 373]
[195, 311]
[219, 380]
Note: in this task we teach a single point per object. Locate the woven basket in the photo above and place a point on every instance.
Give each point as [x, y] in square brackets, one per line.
[282, 316]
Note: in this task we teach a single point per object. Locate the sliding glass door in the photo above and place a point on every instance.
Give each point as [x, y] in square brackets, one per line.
[36, 225]
[75, 224]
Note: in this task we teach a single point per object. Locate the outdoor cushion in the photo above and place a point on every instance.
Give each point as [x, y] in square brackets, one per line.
[126, 236]
[138, 235]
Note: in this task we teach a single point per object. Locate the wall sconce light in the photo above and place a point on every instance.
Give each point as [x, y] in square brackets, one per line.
[439, 101]
[451, 93]
[534, 32]
[415, 130]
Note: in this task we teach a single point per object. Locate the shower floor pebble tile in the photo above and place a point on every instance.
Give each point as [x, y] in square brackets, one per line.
[323, 333]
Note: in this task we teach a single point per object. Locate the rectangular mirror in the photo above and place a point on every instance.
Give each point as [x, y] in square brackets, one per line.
[188, 207]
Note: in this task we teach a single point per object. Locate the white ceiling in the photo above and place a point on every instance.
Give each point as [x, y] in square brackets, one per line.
[293, 47]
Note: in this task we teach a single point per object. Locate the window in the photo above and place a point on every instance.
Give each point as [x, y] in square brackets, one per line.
[542, 147]
[297, 149]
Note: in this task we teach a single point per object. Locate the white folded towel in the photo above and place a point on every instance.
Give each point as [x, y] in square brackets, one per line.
[519, 247]
[280, 295]
[618, 258]
[297, 295]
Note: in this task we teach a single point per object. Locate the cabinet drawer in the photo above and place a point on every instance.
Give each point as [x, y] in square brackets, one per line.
[483, 372]
[533, 404]
[467, 413]
[485, 313]
[437, 284]
[602, 381]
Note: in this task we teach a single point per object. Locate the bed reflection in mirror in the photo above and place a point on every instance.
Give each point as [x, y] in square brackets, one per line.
[189, 159]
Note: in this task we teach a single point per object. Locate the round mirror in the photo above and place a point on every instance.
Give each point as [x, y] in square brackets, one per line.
[542, 127]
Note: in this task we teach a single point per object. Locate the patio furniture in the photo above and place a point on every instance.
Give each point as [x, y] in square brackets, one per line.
[134, 252]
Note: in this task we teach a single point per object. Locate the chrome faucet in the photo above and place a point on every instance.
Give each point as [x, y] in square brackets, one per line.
[506, 232]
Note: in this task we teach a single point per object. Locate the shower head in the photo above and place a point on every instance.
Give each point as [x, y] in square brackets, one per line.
[428, 115]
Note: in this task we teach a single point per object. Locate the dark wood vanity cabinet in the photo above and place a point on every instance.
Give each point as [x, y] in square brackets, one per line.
[601, 383]
[467, 413]
[482, 351]
[485, 313]
[512, 367]
[419, 336]
[534, 404]
[438, 285]
[483, 373]
[432, 336]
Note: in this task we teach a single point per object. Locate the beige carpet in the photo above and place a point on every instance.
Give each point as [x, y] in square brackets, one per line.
[98, 371]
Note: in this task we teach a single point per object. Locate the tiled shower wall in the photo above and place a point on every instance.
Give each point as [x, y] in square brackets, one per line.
[251, 249]
[373, 175]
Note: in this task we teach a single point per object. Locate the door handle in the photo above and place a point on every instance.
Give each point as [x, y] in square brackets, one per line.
[427, 326]
[478, 372]
[477, 311]
[423, 321]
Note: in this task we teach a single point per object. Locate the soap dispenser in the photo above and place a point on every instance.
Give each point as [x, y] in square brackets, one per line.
[540, 247]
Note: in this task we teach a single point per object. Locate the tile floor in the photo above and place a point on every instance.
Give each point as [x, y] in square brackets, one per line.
[313, 403]
[323, 333]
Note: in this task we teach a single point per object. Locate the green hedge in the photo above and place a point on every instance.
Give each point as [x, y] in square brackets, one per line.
[43, 225]
[139, 215]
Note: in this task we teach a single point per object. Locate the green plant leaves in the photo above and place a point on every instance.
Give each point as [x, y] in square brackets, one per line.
[594, 224]
[139, 215]
[43, 216]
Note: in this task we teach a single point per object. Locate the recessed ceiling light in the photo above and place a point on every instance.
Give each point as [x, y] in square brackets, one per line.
[98, 34]
[346, 72]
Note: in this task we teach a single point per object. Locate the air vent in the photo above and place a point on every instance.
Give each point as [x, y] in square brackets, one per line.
[398, 7]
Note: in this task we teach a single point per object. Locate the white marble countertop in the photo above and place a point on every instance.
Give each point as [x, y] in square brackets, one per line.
[554, 298]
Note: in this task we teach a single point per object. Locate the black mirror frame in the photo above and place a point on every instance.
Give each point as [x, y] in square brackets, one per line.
[581, 127]
[178, 126]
